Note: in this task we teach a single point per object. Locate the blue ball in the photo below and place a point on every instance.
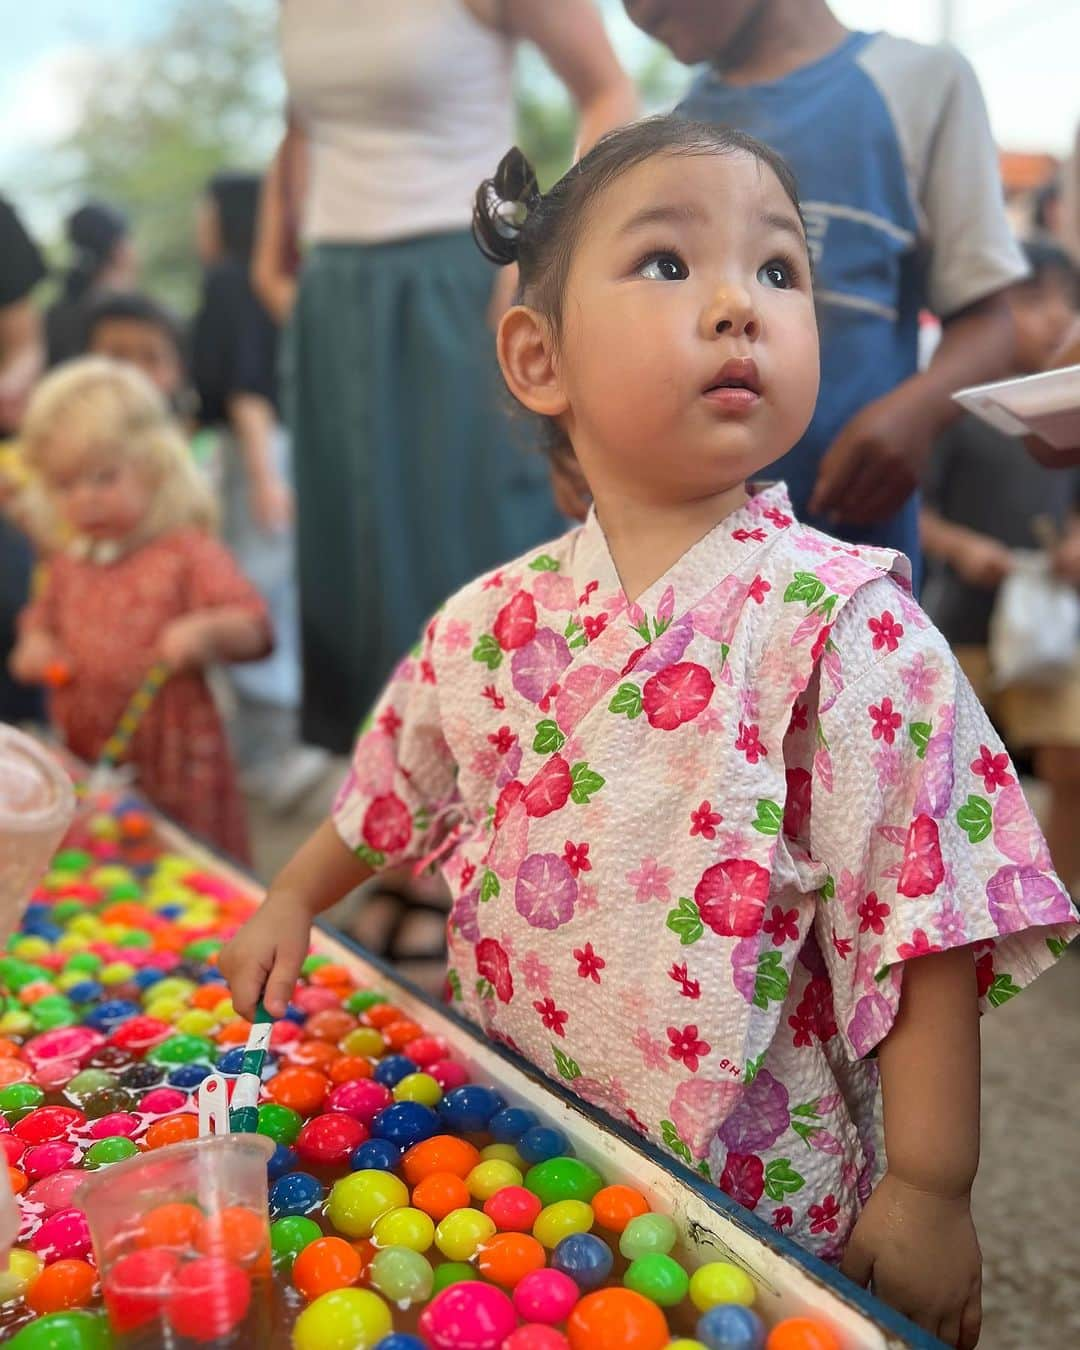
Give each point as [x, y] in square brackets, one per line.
[401, 1340]
[405, 1124]
[171, 911]
[586, 1258]
[85, 991]
[294, 1193]
[210, 975]
[729, 1326]
[108, 1016]
[188, 1076]
[391, 1070]
[35, 910]
[295, 1014]
[147, 976]
[541, 1142]
[381, 1155]
[232, 1060]
[508, 1125]
[469, 1108]
[42, 928]
[282, 1160]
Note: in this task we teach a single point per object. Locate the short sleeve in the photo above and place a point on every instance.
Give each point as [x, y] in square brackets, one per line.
[399, 800]
[214, 580]
[918, 815]
[21, 267]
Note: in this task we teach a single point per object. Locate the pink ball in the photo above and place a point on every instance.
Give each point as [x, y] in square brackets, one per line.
[63, 1236]
[447, 1074]
[162, 1101]
[468, 1316]
[284, 1033]
[54, 1192]
[361, 1098]
[140, 1033]
[329, 1139]
[210, 1298]
[312, 999]
[545, 1296]
[44, 1159]
[513, 1209]
[533, 1336]
[74, 1044]
[116, 1122]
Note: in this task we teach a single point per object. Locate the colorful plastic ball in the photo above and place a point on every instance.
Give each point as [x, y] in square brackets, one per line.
[330, 1139]
[74, 1330]
[282, 1160]
[469, 1108]
[507, 1258]
[491, 1176]
[406, 1124]
[401, 1340]
[19, 1099]
[391, 1070]
[344, 1319]
[139, 1077]
[586, 1258]
[62, 1236]
[364, 1041]
[462, 1231]
[541, 1142]
[563, 1179]
[382, 1154]
[686, 1343]
[453, 1272]
[162, 1101]
[188, 1076]
[42, 1160]
[289, 1237]
[358, 1201]
[113, 1149]
[401, 1274]
[55, 1192]
[295, 1193]
[46, 1123]
[729, 1326]
[659, 1278]
[22, 1270]
[302, 1090]
[171, 1227]
[617, 1319]
[513, 1209]
[721, 1282]
[802, 1333]
[425, 1050]
[325, 1264]
[418, 1087]
[469, 1316]
[440, 1193]
[615, 1206]
[534, 1336]
[545, 1296]
[362, 1098]
[405, 1227]
[648, 1233]
[279, 1123]
[88, 1081]
[440, 1153]
[209, 1299]
[560, 1220]
[449, 1074]
[107, 1101]
[237, 1234]
[176, 1129]
[508, 1125]
[64, 1284]
[504, 1153]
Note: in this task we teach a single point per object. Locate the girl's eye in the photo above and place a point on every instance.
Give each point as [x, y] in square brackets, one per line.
[664, 267]
[777, 274]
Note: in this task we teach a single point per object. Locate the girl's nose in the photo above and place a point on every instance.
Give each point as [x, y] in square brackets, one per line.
[731, 313]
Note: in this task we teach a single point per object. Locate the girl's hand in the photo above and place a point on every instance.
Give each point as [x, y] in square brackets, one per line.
[34, 656]
[264, 958]
[187, 644]
[271, 504]
[919, 1252]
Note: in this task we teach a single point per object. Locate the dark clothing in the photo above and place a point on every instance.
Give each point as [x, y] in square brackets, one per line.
[21, 267]
[65, 330]
[980, 478]
[233, 343]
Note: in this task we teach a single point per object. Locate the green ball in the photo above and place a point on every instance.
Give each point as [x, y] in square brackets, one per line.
[364, 999]
[183, 1049]
[71, 860]
[658, 1278]
[124, 890]
[312, 963]
[16, 974]
[64, 1331]
[136, 938]
[89, 1080]
[202, 949]
[647, 1233]
[289, 1237]
[563, 1179]
[280, 1123]
[87, 962]
[16, 1099]
[114, 1149]
[401, 1275]
[453, 1272]
[67, 909]
[54, 1010]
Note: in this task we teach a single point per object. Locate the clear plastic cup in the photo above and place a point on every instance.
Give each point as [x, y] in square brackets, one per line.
[182, 1242]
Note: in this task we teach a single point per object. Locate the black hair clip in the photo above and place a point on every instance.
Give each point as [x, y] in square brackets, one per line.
[502, 206]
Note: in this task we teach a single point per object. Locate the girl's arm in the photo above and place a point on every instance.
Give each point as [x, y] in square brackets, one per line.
[915, 1240]
[253, 424]
[978, 558]
[226, 633]
[272, 274]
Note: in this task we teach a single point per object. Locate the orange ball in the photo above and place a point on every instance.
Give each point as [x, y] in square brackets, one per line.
[30, 993]
[325, 1264]
[14, 1071]
[237, 1234]
[17, 1180]
[311, 1054]
[8, 1049]
[440, 1193]
[615, 1206]
[177, 1226]
[802, 1333]
[509, 1257]
[440, 1153]
[207, 996]
[398, 1034]
[617, 1319]
[234, 1033]
[64, 1284]
[173, 1129]
[348, 1068]
[381, 1015]
[330, 1025]
[304, 1090]
[330, 976]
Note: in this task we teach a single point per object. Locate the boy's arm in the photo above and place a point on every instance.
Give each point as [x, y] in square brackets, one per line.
[978, 558]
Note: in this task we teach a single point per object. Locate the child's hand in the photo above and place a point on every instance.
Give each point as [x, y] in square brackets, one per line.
[982, 561]
[264, 958]
[187, 644]
[271, 503]
[1066, 558]
[34, 656]
[920, 1253]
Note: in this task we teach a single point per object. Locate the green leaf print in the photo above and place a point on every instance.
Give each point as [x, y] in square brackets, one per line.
[686, 921]
[1056, 946]
[975, 818]
[572, 627]
[807, 1109]
[453, 979]
[804, 1131]
[421, 820]
[822, 742]
[370, 855]
[488, 652]
[544, 563]
[769, 818]
[671, 1137]
[548, 737]
[781, 1179]
[627, 700]
[703, 1170]
[806, 587]
[642, 630]
[752, 1067]
[724, 649]
[920, 733]
[1003, 989]
[660, 626]
[567, 1067]
[771, 984]
[489, 886]
[584, 782]
[826, 607]
[882, 973]
[828, 891]
[484, 988]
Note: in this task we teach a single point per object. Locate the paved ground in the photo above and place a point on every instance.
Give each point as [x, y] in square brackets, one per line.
[1028, 1191]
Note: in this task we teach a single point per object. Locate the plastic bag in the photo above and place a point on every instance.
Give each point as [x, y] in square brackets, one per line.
[1035, 625]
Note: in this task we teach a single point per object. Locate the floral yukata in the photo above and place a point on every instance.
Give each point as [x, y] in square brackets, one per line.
[693, 840]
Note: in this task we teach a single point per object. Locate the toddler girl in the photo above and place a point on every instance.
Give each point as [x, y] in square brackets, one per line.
[727, 832]
[141, 581]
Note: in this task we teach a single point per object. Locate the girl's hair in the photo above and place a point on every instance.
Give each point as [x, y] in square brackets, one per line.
[236, 197]
[136, 307]
[513, 221]
[104, 405]
[93, 231]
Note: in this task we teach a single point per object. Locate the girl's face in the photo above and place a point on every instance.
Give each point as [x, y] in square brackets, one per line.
[98, 493]
[688, 358]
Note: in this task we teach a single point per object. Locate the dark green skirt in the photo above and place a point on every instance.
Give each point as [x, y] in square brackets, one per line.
[412, 475]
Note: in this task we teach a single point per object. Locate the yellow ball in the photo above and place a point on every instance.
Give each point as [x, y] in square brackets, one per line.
[462, 1231]
[86, 925]
[174, 987]
[68, 979]
[31, 948]
[15, 1023]
[197, 1022]
[488, 1177]
[165, 1009]
[357, 1202]
[405, 1227]
[112, 875]
[559, 1220]
[116, 972]
[418, 1087]
[224, 1011]
[363, 1041]
[72, 942]
[684, 1343]
[23, 1269]
[505, 1153]
[721, 1282]
[344, 1319]
[116, 932]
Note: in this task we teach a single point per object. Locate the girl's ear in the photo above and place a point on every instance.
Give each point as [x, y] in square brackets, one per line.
[527, 356]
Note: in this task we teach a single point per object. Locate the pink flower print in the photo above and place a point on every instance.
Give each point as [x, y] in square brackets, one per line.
[455, 636]
[732, 843]
[710, 723]
[821, 642]
[992, 769]
[920, 945]
[503, 740]
[545, 892]
[800, 1025]
[468, 871]
[515, 623]
[923, 868]
[744, 536]
[650, 881]
[743, 1178]
[731, 897]
[677, 694]
[749, 703]
[749, 742]
[782, 925]
[949, 923]
[800, 718]
[493, 582]
[687, 1046]
[872, 914]
[867, 965]
[590, 588]
[758, 589]
[797, 804]
[389, 723]
[588, 898]
[594, 625]
[653, 1052]
[576, 857]
[427, 672]
[589, 964]
[704, 821]
[779, 518]
[687, 987]
[823, 1217]
[887, 632]
[889, 763]
[492, 964]
[849, 892]
[843, 946]
[666, 608]
[919, 679]
[782, 1218]
[495, 699]
[484, 763]
[553, 1018]
[886, 721]
[698, 1106]
[507, 943]
[536, 975]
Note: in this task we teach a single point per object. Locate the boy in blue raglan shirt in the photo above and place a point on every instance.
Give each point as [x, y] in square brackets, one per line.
[897, 170]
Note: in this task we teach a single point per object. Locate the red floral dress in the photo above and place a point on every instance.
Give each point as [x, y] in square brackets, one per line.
[108, 619]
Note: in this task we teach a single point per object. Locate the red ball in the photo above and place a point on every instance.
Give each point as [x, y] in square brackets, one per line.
[210, 1298]
[46, 1123]
[140, 1033]
[425, 1050]
[361, 1098]
[513, 1209]
[535, 1336]
[447, 1074]
[138, 1285]
[329, 1139]
[12, 1148]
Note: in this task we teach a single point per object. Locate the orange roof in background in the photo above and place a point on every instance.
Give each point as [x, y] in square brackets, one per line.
[1022, 171]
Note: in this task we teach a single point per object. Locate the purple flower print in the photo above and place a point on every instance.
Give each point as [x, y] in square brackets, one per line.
[464, 915]
[699, 1107]
[744, 963]
[1018, 898]
[936, 782]
[545, 892]
[717, 615]
[870, 1023]
[919, 679]
[949, 924]
[759, 1119]
[668, 647]
[1016, 834]
[537, 666]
